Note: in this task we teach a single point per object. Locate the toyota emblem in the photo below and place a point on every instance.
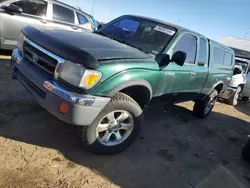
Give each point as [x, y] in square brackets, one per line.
[34, 57]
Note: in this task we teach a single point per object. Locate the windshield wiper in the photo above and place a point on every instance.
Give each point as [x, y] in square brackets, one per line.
[121, 41]
[134, 46]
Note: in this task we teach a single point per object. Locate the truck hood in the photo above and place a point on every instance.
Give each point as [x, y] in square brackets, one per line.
[100, 47]
[88, 49]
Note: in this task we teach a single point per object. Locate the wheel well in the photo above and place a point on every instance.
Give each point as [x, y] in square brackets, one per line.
[219, 87]
[140, 94]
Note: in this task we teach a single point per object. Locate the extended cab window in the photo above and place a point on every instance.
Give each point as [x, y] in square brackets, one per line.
[82, 19]
[228, 59]
[187, 44]
[32, 7]
[203, 52]
[63, 14]
[218, 56]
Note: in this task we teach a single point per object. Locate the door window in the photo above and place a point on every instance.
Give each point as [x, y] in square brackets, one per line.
[32, 7]
[203, 52]
[82, 19]
[63, 14]
[187, 44]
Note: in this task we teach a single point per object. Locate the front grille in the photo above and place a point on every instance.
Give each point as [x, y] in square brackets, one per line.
[39, 58]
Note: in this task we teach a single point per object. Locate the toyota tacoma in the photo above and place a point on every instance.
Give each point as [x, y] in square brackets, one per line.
[103, 81]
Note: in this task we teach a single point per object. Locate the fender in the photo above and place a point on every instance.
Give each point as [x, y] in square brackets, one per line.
[147, 78]
[216, 84]
[135, 82]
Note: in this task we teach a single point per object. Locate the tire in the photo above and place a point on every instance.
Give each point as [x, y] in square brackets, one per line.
[245, 98]
[233, 100]
[246, 152]
[201, 110]
[96, 142]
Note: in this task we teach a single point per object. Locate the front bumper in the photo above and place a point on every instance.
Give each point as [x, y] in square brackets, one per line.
[82, 109]
[227, 93]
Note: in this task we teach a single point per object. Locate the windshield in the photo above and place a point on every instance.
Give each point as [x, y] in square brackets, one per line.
[148, 36]
[243, 64]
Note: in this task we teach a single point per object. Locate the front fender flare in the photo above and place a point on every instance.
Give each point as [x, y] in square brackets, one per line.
[136, 82]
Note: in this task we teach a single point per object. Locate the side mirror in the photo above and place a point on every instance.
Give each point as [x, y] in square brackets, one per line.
[13, 9]
[99, 26]
[163, 59]
[179, 58]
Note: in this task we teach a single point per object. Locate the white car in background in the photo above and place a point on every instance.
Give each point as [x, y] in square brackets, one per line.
[51, 14]
[239, 86]
[245, 95]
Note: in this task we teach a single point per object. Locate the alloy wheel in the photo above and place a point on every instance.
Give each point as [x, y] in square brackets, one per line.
[114, 128]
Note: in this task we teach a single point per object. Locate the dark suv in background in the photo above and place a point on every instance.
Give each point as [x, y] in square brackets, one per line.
[16, 14]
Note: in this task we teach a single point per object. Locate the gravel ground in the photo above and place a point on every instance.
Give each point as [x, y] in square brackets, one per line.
[174, 149]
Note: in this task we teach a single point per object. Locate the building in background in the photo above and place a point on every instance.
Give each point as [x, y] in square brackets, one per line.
[241, 46]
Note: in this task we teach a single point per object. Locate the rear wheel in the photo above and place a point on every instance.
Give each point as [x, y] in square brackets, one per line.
[245, 98]
[202, 108]
[233, 100]
[115, 128]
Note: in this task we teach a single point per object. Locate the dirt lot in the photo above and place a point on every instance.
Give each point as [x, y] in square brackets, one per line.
[174, 149]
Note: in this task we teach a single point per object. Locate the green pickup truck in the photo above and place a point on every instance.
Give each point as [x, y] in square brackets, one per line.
[103, 81]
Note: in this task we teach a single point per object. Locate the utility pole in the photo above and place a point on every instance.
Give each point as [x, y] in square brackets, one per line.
[246, 33]
[92, 9]
[110, 13]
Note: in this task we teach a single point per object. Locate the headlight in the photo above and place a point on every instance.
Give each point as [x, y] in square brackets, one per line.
[20, 43]
[77, 75]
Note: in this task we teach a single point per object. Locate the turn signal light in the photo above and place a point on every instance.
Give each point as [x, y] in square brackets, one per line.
[92, 79]
[64, 107]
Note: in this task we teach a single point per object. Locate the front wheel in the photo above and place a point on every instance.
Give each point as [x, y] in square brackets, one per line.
[115, 128]
[202, 108]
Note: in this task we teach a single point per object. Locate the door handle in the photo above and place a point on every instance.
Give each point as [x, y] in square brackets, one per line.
[192, 74]
[43, 21]
[73, 27]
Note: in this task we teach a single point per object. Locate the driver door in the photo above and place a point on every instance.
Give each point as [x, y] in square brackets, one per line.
[180, 80]
[34, 14]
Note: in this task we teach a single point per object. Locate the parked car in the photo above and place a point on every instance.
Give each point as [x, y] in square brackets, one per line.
[237, 85]
[103, 81]
[245, 95]
[16, 14]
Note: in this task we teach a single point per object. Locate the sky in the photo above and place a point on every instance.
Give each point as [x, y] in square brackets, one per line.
[216, 19]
